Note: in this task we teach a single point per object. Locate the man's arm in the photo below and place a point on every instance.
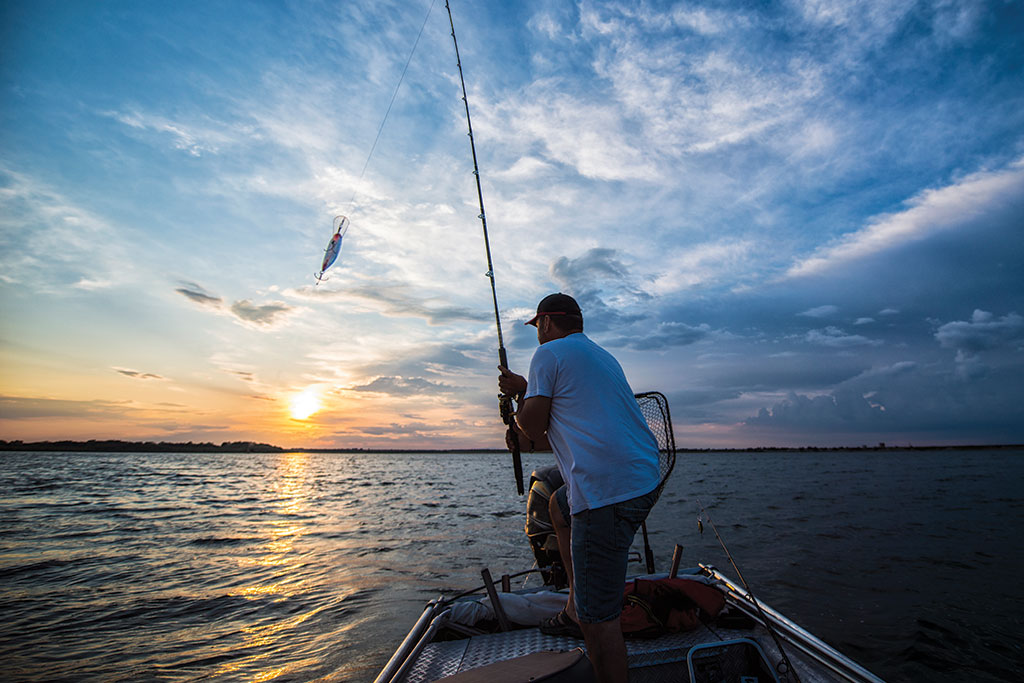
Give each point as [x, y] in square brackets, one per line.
[533, 417]
[531, 444]
[534, 413]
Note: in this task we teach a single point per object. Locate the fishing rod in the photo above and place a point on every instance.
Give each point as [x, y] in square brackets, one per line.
[750, 593]
[504, 400]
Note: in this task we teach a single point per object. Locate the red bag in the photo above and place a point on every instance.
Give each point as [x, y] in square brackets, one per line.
[652, 608]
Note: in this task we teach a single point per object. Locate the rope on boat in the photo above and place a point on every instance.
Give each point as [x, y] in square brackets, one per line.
[750, 593]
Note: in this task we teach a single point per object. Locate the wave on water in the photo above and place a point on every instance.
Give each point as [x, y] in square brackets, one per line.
[300, 567]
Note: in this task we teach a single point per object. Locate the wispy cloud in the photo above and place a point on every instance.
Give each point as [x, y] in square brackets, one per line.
[197, 294]
[394, 299]
[263, 314]
[135, 374]
[195, 137]
[826, 311]
[958, 205]
[666, 335]
[244, 310]
[834, 337]
[404, 386]
[48, 240]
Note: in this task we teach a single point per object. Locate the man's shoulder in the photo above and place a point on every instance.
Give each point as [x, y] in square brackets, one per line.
[574, 340]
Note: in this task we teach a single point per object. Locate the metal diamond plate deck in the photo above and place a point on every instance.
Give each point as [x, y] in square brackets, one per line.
[650, 661]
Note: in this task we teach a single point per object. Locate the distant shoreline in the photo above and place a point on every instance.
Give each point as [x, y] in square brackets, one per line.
[119, 446]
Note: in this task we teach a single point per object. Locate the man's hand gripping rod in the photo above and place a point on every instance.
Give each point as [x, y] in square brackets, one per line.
[512, 436]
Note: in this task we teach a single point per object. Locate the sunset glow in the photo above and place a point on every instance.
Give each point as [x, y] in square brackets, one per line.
[760, 208]
[305, 404]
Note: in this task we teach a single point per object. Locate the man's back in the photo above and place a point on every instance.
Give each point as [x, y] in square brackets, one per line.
[600, 438]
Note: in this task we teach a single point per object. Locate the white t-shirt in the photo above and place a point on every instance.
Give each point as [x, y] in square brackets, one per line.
[602, 444]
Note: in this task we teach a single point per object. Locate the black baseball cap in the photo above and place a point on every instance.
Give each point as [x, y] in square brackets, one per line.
[556, 304]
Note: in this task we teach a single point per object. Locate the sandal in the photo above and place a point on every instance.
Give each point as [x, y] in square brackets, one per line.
[561, 625]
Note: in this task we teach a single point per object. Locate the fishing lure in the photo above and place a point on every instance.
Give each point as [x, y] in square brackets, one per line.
[340, 227]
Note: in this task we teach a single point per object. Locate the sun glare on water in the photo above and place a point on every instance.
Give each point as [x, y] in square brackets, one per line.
[305, 404]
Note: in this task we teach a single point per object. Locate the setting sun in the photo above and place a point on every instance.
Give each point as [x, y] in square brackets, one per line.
[305, 404]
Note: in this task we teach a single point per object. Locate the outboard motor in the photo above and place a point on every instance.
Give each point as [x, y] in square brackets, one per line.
[543, 483]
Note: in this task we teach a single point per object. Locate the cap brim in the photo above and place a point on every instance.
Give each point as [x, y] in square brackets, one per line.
[533, 320]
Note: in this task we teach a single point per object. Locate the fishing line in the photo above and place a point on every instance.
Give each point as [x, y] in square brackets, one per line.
[380, 129]
[750, 593]
[341, 222]
[504, 402]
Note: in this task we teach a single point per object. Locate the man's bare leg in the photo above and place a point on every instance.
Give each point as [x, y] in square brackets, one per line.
[606, 647]
[607, 651]
[562, 533]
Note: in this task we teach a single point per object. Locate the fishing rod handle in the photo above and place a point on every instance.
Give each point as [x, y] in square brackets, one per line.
[506, 416]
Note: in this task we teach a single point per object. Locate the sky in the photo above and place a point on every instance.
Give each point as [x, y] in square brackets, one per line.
[802, 221]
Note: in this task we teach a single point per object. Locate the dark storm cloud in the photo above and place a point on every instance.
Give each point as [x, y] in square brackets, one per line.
[982, 332]
[699, 405]
[754, 372]
[842, 410]
[908, 398]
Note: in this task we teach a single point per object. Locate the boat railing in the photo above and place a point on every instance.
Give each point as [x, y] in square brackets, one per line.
[413, 643]
[806, 642]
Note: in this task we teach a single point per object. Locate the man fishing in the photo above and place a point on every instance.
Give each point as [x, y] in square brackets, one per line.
[577, 400]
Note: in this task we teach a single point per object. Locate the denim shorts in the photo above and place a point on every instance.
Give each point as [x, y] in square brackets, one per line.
[600, 552]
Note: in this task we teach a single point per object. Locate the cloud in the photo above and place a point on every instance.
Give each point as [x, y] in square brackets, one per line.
[596, 265]
[244, 310]
[135, 374]
[195, 293]
[25, 407]
[982, 332]
[666, 335]
[266, 314]
[702, 264]
[931, 401]
[843, 409]
[863, 321]
[404, 386]
[395, 300]
[589, 136]
[523, 169]
[962, 204]
[826, 311]
[602, 285]
[835, 338]
[44, 232]
[196, 138]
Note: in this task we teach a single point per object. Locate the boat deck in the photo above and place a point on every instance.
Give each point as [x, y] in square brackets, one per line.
[650, 660]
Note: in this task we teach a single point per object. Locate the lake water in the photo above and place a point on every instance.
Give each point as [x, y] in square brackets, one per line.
[301, 567]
